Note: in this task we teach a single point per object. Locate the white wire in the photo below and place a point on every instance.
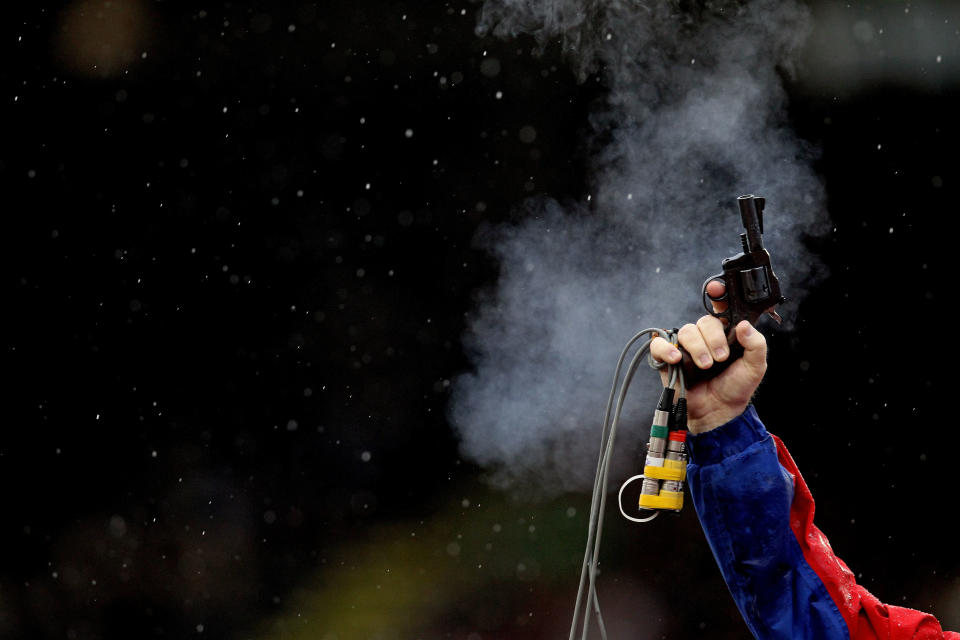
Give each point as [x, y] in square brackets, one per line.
[620, 501]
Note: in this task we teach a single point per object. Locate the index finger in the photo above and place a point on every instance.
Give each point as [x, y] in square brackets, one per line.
[663, 351]
[716, 289]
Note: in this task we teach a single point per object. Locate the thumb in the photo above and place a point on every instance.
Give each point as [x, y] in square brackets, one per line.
[754, 348]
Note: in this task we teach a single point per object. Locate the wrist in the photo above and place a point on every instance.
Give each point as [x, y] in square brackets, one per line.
[713, 419]
[727, 441]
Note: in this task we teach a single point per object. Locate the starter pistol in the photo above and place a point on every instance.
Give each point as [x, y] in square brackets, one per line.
[751, 289]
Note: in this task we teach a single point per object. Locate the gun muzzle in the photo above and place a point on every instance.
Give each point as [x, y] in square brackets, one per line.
[751, 213]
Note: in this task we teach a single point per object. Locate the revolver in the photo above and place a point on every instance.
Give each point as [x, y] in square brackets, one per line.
[751, 289]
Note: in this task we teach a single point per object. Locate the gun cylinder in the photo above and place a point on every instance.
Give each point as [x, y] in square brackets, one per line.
[755, 283]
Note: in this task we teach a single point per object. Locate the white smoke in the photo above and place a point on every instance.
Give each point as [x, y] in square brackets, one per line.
[694, 117]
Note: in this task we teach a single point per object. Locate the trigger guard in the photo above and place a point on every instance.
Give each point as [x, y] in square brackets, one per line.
[707, 298]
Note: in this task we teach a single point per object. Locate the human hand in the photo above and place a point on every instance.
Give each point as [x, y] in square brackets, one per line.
[715, 401]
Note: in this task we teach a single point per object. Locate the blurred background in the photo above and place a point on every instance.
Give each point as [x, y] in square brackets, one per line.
[255, 252]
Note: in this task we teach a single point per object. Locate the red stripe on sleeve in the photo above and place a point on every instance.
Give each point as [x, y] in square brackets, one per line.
[866, 617]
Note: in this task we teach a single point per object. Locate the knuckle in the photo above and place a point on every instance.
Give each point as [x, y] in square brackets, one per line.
[712, 330]
[709, 324]
[689, 337]
[704, 321]
[687, 330]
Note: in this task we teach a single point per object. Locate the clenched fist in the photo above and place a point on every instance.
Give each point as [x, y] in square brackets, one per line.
[722, 398]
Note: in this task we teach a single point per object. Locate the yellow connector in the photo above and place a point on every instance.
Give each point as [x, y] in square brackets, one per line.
[671, 470]
[666, 500]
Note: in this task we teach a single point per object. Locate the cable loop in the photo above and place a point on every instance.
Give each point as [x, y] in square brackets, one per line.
[620, 501]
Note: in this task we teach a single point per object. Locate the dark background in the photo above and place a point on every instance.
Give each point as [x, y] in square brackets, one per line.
[238, 259]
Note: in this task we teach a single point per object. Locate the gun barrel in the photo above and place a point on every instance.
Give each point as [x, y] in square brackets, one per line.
[751, 213]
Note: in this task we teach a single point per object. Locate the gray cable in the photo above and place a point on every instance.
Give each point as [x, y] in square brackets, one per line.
[608, 455]
[598, 499]
[594, 504]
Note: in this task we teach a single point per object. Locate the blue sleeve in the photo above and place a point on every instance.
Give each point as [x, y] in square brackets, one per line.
[743, 496]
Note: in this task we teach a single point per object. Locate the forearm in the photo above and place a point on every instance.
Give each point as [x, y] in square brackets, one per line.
[743, 498]
[757, 514]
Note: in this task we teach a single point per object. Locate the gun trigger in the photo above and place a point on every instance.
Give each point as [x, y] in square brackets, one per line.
[773, 314]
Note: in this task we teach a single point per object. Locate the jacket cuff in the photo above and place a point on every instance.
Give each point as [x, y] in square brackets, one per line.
[727, 440]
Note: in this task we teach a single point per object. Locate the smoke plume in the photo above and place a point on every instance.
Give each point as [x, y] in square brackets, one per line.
[695, 116]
